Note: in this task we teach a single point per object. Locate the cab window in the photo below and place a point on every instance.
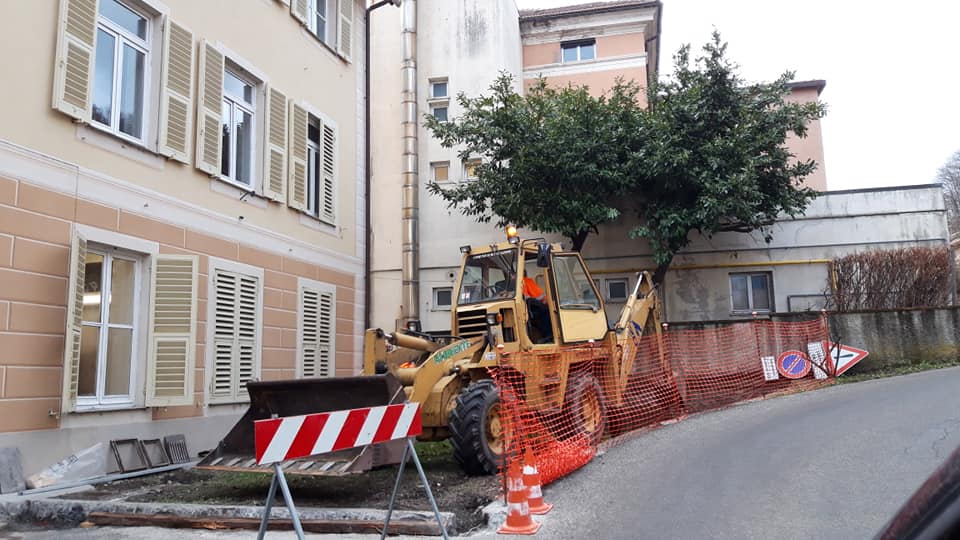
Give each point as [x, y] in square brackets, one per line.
[574, 289]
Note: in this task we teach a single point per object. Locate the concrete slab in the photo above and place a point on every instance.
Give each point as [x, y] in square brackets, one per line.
[11, 471]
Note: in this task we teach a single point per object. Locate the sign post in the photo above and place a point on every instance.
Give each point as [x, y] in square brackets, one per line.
[280, 439]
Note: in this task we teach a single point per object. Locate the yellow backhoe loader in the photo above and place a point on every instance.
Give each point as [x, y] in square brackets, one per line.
[526, 298]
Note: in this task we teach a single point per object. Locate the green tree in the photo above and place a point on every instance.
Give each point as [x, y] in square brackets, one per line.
[554, 160]
[714, 156]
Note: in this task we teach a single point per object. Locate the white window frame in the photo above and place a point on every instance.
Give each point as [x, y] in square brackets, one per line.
[314, 175]
[123, 36]
[435, 107]
[237, 105]
[750, 299]
[330, 26]
[145, 250]
[578, 46]
[433, 87]
[437, 306]
[626, 289]
[209, 350]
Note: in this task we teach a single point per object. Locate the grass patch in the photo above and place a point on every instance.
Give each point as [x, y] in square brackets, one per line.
[896, 370]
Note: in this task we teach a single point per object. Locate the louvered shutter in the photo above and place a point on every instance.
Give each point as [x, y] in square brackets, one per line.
[315, 332]
[236, 319]
[171, 362]
[300, 9]
[71, 349]
[224, 331]
[328, 202]
[247, 301]
[345, 41]
[209, 100]
[275, 169]
[176, 92]
[297, 173]
[73, 70]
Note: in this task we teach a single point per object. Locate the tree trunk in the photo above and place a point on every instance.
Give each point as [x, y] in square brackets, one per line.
[579, 239]
[660, 273]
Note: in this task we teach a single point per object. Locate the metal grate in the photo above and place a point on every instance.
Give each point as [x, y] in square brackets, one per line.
[176, 446]
[471, 323]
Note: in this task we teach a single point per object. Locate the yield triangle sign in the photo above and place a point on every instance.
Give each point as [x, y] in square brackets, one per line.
[843, 357]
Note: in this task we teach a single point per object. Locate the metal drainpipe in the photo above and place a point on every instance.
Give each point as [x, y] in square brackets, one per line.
[368, 244]
[411, 190]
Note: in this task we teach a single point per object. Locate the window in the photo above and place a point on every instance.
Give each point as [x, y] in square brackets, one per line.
[313, 182]
[439, 112]
[617, 290]
[438, 89]
[574, 289]
[442, 298]
[319, 21]
[113, 359]
[578, 51]
[470, 169]
[751, 292]
[441, 171]
[237, 132]
[121, 66]
[236, 307]
[109, 328]
[316, 328]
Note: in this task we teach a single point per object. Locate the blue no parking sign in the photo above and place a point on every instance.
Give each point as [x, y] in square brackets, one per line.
[793, 364]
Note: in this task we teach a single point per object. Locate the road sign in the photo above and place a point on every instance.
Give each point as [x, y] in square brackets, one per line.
[818, 358]
[843, 357]
[793, 364]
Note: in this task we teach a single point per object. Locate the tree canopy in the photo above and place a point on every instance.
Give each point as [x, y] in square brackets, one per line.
[949, 177]
[553, 160]
[708, 155]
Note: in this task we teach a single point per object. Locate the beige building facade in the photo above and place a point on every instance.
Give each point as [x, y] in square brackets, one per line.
[180, 212]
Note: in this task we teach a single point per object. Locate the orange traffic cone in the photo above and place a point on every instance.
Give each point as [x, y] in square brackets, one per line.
[518, 512]
[531, 479]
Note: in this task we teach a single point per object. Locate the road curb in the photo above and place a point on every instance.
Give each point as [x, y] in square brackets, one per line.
[70, 513]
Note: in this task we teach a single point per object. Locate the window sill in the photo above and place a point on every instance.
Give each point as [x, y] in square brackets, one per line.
[313, 222]
[84, 409]
[237, 191]
[111, 142]
[758, 313]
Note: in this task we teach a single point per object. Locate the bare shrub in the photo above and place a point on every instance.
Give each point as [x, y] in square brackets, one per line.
[892, 279]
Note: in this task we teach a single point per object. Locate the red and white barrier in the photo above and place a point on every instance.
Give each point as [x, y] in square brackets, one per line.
[280, 439]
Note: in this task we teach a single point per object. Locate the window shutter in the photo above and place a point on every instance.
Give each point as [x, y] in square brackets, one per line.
[247, 301]
[300, 9]
[176, 99]
[297, 173]
[171, 362]
[73, 70]
[345, 41]
[328, 206]
[209, 100]
[225, 322]
[71, 356]
[235, 322]
[315, 335]
[275, 170]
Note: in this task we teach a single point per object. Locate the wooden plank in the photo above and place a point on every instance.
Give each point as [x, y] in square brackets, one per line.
[322, 526]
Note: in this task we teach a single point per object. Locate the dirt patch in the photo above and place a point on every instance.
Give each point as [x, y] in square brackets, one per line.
[455, 492]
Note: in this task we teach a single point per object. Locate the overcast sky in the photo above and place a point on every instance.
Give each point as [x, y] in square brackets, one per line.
[892, 72]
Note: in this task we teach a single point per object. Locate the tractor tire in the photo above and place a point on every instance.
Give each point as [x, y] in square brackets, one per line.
[476, 433]
[584, 408]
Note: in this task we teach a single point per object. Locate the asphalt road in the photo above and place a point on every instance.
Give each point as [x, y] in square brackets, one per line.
[834, 463]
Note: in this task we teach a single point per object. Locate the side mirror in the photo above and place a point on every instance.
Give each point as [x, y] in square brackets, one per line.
[543, 255]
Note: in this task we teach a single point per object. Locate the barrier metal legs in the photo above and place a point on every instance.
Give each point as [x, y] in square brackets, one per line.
[280, 480]
[408, 452]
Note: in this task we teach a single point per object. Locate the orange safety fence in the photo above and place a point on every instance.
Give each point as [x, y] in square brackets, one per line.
[562, 404]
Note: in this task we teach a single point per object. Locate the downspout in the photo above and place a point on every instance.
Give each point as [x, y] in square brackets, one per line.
[410, 270]
[368, 244]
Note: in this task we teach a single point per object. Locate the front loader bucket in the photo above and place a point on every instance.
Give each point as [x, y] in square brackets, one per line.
[307, 396]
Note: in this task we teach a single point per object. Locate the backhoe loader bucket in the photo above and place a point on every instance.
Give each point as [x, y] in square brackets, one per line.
[307, 396]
